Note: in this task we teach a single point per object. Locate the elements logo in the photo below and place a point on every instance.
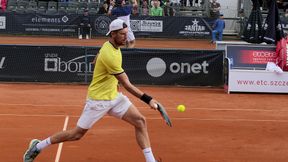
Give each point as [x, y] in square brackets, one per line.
[2, 62]
[65, 19]
[156, 67]
[2, 22]
[76, 65]
[50, 20]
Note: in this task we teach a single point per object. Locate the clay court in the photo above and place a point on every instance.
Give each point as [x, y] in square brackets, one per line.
[216, 127]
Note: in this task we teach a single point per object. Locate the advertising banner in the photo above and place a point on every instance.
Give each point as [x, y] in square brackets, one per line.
[143, 66]
[44, 24]
[250, 57]
[174, 67]
[257, 81]
[246, 72]
[43, 64]
[2, 22]
[143, 26]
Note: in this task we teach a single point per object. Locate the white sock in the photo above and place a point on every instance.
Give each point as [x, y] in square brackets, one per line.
[43, 144]
[148, 155]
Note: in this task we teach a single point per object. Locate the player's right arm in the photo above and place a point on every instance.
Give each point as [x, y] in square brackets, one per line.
[124, 80]
[112, 3]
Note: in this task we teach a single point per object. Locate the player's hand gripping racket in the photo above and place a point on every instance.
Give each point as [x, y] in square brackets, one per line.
[164, 114]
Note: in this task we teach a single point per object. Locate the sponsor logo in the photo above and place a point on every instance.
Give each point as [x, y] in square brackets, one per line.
[53, 63]
[146, 25]
[2, 22]
[264, 54]
[257, 57]
[195, 26]
[195, 29]
[102, 24]
[156, 67]
[135, 25]
[151, 25]
[50, 20]
[2, 62]
[65, 19]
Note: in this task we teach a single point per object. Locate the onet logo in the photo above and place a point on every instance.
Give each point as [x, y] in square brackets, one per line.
[156, 67]
[2, 62]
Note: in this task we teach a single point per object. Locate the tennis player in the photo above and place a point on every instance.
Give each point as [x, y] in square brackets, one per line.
[103, 98]
[123, 11]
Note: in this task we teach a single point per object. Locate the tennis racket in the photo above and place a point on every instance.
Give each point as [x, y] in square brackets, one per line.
[164, 114]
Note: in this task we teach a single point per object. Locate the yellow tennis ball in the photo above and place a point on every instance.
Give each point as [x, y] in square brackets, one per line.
[181, 108]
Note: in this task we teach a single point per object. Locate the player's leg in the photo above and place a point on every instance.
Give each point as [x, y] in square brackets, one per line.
[135, 118]
[131, 42]
[70, 135]
[93, 111]
[36, 145]
[220, 35]
[86, 32]
[81, 32]
[126, 111]
[214, 33]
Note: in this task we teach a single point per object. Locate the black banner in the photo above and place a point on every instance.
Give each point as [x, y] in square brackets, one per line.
[43, 64]
[253, 28]
[67, 25]
[143, 66]
[174, 67]
[273, 30]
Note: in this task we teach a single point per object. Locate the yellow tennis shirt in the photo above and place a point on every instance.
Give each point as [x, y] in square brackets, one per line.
[104, 84]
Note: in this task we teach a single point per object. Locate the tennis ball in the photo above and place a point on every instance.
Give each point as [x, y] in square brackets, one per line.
[181, 108]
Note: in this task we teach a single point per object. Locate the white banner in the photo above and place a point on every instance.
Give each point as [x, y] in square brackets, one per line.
[257, 81]
[2, 22]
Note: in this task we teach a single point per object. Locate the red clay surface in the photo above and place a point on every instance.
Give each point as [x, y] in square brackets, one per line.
[216, 127]
[140, 43]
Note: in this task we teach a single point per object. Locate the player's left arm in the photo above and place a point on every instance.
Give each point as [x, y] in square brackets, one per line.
[124, 80]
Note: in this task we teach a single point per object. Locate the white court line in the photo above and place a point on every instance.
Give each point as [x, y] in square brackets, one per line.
[219, 109]
[160, 118]
[40, 105]
[33, 115]
[228, 120]
[147, 108]
[61, 144]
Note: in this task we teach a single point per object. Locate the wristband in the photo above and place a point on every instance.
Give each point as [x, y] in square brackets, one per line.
[146, 98]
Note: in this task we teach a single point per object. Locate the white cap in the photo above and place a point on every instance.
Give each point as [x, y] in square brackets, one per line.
[116, 24]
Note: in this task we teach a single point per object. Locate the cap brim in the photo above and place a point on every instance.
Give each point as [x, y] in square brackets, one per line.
[108, 33]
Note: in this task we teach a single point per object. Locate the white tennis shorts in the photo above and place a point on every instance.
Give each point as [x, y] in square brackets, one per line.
[130, 35]
[94, 110]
